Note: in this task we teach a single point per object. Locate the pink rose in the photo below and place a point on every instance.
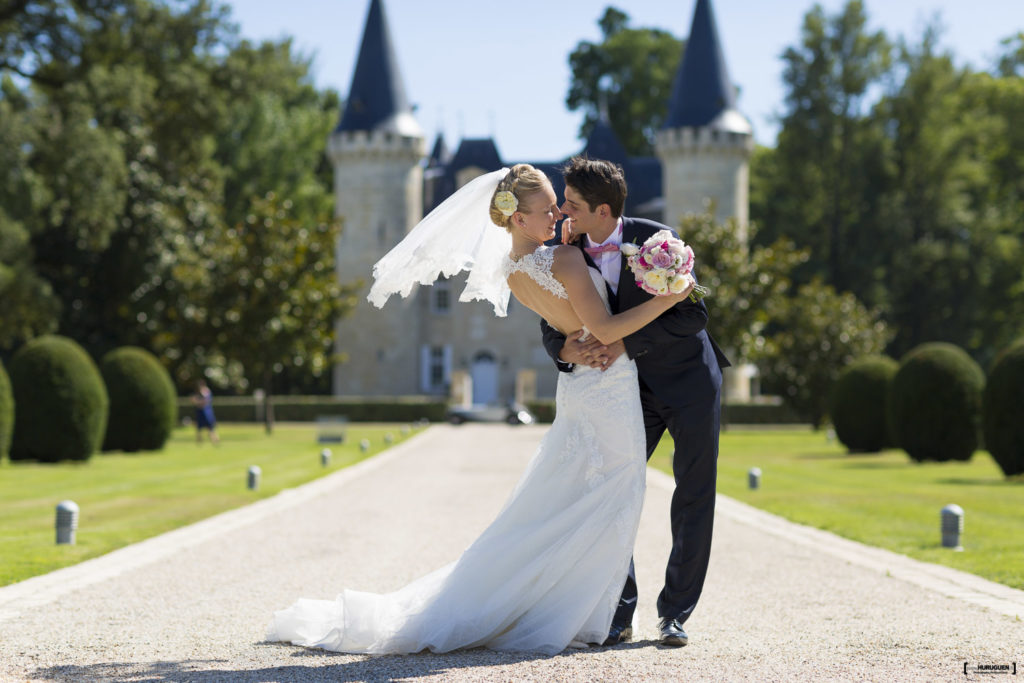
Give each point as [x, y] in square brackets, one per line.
[663, 259]
[686, 264]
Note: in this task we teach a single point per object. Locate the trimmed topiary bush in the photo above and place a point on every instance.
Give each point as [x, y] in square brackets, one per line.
[6, 412]
[61, 401]
[1002, 408]
[935, 403]
[143, 402]
[857, 404]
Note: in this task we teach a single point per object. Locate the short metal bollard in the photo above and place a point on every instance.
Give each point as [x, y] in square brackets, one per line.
[952, 526]
[325, 457]
[754, 478]
[388, 438]
[254, 477]
[364, 445]
[67, 522]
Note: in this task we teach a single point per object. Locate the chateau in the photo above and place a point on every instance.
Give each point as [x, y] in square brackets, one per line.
[386, 180]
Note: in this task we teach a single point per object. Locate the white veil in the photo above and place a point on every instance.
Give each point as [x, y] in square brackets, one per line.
[458, 235]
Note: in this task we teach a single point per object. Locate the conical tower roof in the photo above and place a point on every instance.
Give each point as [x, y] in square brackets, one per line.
[603, 143]
[439, 154]
[702, 93]
[376, 99]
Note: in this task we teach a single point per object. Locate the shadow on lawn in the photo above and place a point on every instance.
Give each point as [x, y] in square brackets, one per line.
[348, 667]
[980, 482]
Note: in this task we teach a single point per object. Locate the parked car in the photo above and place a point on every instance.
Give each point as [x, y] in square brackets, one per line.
[513, 414]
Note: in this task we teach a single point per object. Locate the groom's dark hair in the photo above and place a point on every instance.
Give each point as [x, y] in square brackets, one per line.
[598, 182]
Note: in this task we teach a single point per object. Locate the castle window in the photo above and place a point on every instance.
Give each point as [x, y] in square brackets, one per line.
[441, 297]
[437, 366]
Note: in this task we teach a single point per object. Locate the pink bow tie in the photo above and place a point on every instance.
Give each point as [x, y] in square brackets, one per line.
[594, 251]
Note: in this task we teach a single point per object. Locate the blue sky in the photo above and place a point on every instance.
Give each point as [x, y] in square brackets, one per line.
[478, 68]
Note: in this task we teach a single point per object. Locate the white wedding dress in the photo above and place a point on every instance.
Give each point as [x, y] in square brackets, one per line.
[550, 568]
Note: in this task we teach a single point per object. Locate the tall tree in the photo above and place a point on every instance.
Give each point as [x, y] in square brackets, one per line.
[928, 205]
[265, 297]
[149, 135]
[628, 74]
[28, 304]
[828, 161]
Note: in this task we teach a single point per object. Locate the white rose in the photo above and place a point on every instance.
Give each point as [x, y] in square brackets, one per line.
[656, 279]
[629, 249]
[679, 284]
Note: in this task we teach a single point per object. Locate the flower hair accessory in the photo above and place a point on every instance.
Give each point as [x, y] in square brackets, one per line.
[506, 202]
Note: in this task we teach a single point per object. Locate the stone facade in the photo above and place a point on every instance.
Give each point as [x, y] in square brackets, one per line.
[378, 188]
[431, 344]
[703, 164]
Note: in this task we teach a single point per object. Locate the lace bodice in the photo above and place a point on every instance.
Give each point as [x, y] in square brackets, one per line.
[537, 266]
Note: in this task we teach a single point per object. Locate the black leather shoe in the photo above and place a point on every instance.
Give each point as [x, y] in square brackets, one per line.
[618, 633]
[672, 633]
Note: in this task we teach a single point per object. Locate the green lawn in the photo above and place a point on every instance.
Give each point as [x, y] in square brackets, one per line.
[127, 498]
[884, 500]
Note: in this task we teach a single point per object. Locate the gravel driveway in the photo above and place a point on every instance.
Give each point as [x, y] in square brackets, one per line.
[782, 602]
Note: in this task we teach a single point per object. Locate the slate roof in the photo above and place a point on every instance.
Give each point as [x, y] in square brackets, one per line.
[479, 152]
[603, 143]
[376, 99]
[702, 92]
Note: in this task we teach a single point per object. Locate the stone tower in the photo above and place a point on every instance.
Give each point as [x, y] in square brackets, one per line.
[705, 144]
[378, 187]
[705, 148]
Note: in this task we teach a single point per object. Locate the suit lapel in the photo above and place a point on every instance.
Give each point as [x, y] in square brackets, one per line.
[627, 281]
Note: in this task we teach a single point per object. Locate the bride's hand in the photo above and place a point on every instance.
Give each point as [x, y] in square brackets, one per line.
[567, 230]
[683, 295]
[581, 350]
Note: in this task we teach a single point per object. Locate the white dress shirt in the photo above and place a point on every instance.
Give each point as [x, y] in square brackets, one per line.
[610, 262]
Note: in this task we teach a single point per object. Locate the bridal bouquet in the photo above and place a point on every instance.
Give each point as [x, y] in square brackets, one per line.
[662, 265]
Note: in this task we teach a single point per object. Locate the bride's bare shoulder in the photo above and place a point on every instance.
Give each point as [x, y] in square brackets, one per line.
[567, 257]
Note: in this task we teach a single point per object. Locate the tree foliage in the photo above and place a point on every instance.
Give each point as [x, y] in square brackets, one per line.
[137, 135]
[60, 401]
[1001, 403]
[747, 283]
[857, 404]
[902, 172]
[252, 291]
[818, 194]
[629, 75]
[812, 337]
[935, 403]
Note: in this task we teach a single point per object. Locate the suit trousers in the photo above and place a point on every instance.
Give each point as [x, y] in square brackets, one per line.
[694, 429]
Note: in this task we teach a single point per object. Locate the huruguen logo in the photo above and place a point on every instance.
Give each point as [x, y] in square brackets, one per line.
[1004, 669]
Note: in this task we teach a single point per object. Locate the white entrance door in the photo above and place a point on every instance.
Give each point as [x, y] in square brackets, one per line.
[485, 378]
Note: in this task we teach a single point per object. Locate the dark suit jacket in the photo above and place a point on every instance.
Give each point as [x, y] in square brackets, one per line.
[676, 358]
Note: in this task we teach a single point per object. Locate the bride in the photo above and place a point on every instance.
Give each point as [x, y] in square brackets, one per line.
[547, 573]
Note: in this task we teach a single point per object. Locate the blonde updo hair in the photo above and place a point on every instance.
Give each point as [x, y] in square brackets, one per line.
[522, 180]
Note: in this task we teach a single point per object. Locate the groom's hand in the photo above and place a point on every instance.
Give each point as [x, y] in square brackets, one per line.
[567, 231]
[588, 352]
[610, 353]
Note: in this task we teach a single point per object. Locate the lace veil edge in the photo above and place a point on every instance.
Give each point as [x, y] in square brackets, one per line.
[456, 236]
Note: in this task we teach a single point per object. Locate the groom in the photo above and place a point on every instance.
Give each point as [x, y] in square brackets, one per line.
[680, 369]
